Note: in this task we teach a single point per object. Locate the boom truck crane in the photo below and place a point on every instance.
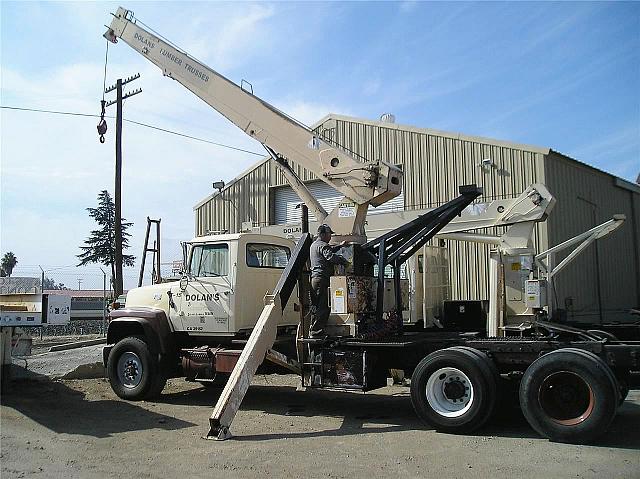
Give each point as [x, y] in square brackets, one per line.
[569, 389]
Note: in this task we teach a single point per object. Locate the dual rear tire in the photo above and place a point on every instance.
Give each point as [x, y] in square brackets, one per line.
[567, 395]
[455, 389]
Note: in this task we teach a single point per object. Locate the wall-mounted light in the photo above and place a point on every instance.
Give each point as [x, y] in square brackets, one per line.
[218, 185]
[486, 163]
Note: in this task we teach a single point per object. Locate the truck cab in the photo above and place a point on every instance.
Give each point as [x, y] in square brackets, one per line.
[221, 290]
[214, 306]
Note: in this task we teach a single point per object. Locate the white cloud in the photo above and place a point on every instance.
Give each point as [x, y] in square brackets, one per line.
[226, 37]
[408, 6]
[53, 166]
[310, 112]
[621, 143]
[371, 87]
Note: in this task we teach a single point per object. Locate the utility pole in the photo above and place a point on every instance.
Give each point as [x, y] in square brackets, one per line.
[118, 283]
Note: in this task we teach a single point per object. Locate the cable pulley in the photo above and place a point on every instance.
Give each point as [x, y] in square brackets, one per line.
[102, 124]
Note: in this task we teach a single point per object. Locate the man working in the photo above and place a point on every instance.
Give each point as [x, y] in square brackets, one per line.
[323, 257]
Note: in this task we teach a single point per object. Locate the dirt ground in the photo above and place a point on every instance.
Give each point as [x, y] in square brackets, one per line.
[80, 429]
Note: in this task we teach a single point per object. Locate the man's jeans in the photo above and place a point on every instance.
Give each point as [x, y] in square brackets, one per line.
[320, 309]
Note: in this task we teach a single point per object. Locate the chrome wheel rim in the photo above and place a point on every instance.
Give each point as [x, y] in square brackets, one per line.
[130, 369]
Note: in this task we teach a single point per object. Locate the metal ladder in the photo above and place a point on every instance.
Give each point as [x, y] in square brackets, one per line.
[155, 273]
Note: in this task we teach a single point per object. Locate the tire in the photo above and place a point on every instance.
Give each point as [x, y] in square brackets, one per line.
[569, 395]
[454, 390]
[134, 373]
[623, 379]
[492, 373]
[158, 385]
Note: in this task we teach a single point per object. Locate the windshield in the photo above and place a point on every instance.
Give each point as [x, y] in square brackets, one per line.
[209, 260]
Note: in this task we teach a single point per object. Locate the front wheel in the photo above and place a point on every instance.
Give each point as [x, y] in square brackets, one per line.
[133, 371]
[454, 390]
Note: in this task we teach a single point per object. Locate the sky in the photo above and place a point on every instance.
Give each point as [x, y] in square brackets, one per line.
[562, 75]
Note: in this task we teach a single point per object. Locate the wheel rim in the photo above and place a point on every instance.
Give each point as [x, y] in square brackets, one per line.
[130, 369]
[566, 398]
[449, 392]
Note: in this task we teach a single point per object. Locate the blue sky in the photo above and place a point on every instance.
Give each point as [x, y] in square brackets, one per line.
[560, 75]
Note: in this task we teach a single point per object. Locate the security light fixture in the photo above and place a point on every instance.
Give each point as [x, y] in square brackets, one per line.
[218, 185]
[486, 162]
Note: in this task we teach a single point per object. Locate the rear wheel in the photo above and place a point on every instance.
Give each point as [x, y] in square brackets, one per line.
[453, 390]
[623, 379]
[569, 395]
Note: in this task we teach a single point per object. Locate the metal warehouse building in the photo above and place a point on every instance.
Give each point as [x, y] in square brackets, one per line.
[601, 285]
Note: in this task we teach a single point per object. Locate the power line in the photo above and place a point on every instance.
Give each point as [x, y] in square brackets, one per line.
[146, 125]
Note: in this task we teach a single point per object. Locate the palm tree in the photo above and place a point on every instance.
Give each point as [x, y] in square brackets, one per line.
[7, 264]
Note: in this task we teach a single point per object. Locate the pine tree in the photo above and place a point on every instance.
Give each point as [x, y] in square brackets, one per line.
[100, 246]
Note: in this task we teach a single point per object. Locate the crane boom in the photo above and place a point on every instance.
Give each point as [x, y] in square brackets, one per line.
[361, 182]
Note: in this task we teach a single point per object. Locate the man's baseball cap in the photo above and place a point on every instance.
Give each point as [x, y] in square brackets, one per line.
[324, 228]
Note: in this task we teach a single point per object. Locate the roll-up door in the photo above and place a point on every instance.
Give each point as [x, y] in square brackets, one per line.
[286, 201]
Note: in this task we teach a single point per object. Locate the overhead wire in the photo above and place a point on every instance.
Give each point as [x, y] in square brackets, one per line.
[139, 123]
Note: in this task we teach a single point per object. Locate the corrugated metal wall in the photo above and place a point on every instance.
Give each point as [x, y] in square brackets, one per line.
[434, 163]
[244, 199]
[588, 197]
[285, 201]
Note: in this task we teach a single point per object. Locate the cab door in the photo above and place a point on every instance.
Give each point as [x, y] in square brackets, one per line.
[205, 299]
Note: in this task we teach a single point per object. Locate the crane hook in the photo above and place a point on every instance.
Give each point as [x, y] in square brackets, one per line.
[102, 124]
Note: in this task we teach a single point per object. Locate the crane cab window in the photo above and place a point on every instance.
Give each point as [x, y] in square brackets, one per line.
[209, 260]
[267, 255]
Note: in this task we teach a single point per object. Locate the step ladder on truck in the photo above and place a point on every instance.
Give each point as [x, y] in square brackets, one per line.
[571, 381]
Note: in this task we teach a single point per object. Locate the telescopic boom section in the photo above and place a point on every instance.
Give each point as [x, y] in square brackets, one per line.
[362, 183]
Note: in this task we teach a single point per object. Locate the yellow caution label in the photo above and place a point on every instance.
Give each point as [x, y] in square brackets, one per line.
[515, 266]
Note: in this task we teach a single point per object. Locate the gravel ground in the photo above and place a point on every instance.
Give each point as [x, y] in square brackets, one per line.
[40, 346]
[80, 429]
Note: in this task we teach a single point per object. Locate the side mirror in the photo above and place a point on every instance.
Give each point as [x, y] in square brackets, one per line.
[185, 267]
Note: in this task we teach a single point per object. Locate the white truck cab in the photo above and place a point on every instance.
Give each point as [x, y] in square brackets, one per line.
[221, 291]
[176, 328]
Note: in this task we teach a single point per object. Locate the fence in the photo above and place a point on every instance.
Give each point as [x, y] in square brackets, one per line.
[91, 291]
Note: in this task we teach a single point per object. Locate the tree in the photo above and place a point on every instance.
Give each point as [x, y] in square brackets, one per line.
[100, 246]
[8, 262]
[51, 284]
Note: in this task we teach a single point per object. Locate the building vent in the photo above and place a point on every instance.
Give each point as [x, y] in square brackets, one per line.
[388, 118]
